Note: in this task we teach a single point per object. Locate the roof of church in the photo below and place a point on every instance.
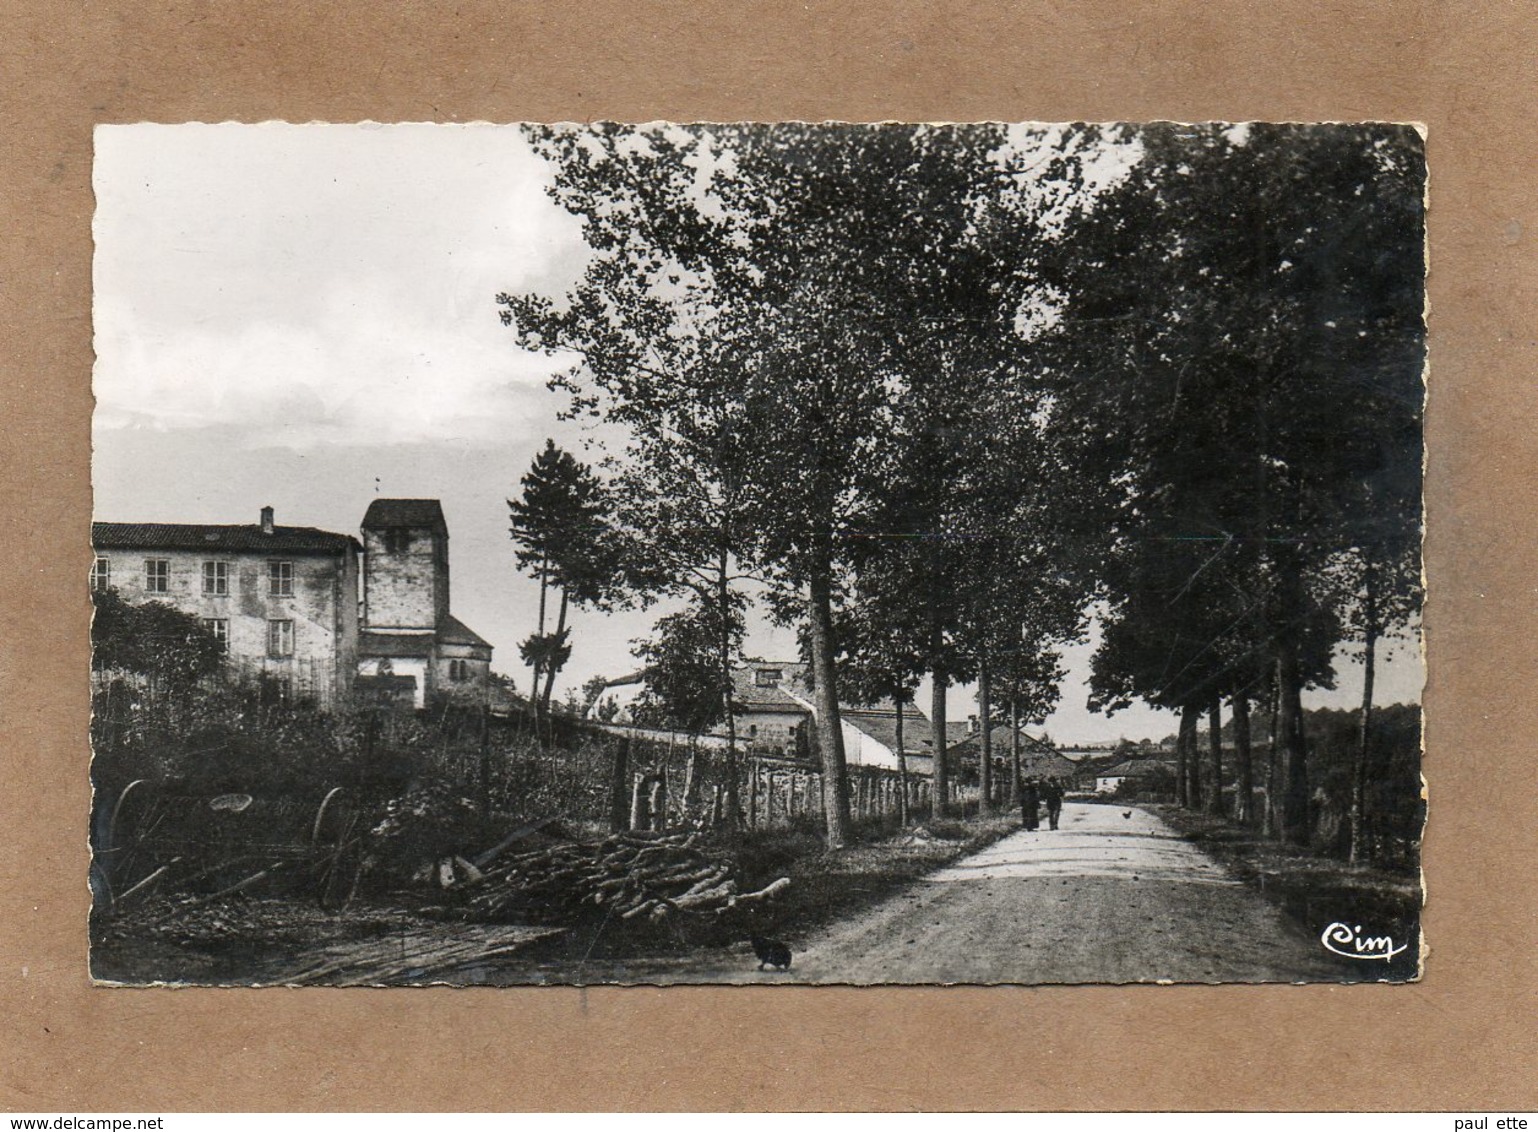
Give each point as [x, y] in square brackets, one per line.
[456, 632]
[451, 631]
[405, 513]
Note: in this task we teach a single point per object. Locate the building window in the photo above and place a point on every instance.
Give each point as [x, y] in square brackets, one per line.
[280, 579]
[280, 639]
[459, 671]
[220, 628]
[397, 540]
[101, 574]
[768, 677]
[216, 578]
[157, 576]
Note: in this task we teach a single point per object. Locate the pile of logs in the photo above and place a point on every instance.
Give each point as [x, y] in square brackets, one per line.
[629, 876]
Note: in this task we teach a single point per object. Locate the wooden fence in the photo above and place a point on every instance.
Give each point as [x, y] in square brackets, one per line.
[657, 786]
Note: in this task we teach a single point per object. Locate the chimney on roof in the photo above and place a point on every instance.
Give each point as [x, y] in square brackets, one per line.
[266, 520]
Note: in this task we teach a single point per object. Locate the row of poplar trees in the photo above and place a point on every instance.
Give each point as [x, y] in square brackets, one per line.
[940, 391]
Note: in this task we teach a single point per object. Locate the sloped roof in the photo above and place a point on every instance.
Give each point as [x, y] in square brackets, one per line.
[1000, 739]
[372, 644]
[202, 536]
[795, 682]
[1036, 757]
[1046, 763]
[1130, 768]
[405, 513]
[451, 631]
[455, 632]
[626, 680]
[750, 694]
[918, 735]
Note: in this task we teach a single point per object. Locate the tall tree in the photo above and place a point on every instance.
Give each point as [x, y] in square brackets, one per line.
[560, 524]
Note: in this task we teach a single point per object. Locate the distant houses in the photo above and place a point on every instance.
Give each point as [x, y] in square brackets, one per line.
[777, 717]
[1038, 758]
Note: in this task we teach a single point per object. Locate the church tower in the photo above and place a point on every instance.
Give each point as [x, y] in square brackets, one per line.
[405, 566]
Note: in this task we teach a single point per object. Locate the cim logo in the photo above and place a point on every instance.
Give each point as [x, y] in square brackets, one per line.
[1348, 941]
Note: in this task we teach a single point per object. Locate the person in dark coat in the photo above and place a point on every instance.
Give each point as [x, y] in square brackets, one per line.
[1052, 794]
[1030, 804]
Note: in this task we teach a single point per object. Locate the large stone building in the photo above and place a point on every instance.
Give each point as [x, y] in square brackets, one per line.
[316, 614]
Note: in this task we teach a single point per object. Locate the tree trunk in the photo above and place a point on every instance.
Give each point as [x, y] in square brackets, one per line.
[1270, 820]
[940, 782]
[1360, 849]
[1294, 757]
[1244, 797]
[1215, 745]
[830, 737]
[902, 759]
[691, 772]
[639, 818]
[619, 787]
[1192, 755]
[560, 627]
[1182, 782]
[657, 804]
[1186, 757]
[1014, 752]
[984, 742]
[539, 664]
[724, 649]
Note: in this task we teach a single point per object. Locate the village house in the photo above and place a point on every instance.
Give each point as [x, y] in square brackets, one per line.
[1141, 771]
[1038, 758]
[312, 614]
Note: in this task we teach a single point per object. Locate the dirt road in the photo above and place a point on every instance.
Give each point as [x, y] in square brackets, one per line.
[1112, 896]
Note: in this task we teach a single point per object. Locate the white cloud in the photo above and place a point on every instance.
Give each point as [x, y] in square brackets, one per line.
[321, 284]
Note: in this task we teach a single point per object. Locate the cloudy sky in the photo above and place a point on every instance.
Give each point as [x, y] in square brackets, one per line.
[303, 316]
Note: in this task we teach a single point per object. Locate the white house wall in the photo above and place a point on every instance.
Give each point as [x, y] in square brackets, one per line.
[322, 608]
[403, 666]
[861, 750]
[774, 727]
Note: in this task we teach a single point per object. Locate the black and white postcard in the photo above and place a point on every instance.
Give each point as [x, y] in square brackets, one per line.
[774, 553]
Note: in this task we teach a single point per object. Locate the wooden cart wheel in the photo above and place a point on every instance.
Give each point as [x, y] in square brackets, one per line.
[125, 831]
[320, 816]
[113, 825]
[343, 867]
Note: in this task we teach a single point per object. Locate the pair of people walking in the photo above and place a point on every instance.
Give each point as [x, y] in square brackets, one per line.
[1036, 791]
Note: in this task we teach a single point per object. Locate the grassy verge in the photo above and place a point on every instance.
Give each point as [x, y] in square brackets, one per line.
[830, 886]
[825, 887]
[1313, 889]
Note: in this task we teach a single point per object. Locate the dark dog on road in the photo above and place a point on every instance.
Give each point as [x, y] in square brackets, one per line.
[772, 952]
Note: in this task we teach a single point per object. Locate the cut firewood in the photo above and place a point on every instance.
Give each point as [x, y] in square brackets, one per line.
[632, 876]
[768, 892]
